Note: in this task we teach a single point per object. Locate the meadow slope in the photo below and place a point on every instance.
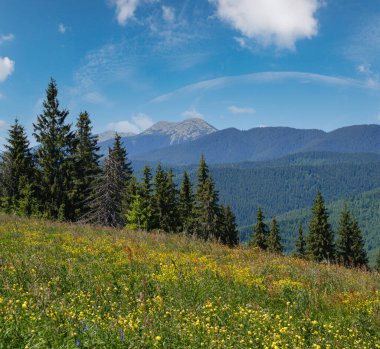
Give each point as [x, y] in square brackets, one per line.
[68, 286]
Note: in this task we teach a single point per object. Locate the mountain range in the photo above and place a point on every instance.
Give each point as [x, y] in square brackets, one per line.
[183, 143]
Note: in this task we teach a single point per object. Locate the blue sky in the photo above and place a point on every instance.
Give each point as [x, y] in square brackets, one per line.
[236, 63]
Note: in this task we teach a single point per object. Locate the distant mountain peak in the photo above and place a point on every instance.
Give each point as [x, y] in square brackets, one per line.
[186, 130]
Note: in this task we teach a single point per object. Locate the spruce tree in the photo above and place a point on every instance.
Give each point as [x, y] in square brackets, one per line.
[18, 172]
[105, 203]
[186, 205]
[320, 243]
[260, 232]
[274, 239]
[137, 216]
[86, 159]
[54, 156]
[120, 154]
[228, 234]
[359, 253]
[146, 193]
[344, 243]
[207, 208]
[300, 244]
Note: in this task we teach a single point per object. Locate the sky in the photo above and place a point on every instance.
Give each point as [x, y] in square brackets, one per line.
[234, 63]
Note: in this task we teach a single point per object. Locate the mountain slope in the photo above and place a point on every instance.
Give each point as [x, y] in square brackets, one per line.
[232, 145]
[161, 135]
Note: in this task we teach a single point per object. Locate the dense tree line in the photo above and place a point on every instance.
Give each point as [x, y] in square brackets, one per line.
[62, 178]
[319, 245]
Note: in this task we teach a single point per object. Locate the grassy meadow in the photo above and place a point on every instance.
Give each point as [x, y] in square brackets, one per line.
[69, 286]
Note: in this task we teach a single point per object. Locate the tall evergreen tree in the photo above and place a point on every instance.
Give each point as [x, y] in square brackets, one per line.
[359, 253]
[207, 208]
[186, 205]
[300, 243]
[105, 203]
[120, 154]
[54, 156]
[86, 158]
[228, 234]
[18, 171]
[344, 243]
[260, 232]
[146, 193]
[320, 242]
[274, 239]
[164, 200]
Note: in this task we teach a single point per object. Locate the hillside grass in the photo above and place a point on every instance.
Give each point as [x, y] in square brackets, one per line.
[69, 286]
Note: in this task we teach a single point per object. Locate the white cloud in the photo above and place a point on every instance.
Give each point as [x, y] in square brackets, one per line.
[364, 68]
[168, 13]
[125, 10]
[6, 38]
[1, 96]
[123, 126]
[241, 41]
[139, 123]
[266, 77]
[271, 22]
[3, 125]
[62, 28]
[192, 114]
[95, 98]
[241, 110]
[142, 121]
[7, 67]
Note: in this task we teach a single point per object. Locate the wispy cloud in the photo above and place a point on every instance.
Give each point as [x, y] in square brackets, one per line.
[277, 22]
[192, 114]
[138, 124]
[6, 38]
[266, 77]
[7, 67]
[241, 110]
[168, 13]
[62, 28]
[3, 125]
[95, 98]
[125, 9]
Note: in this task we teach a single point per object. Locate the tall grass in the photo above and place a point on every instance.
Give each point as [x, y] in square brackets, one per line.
[69, 286]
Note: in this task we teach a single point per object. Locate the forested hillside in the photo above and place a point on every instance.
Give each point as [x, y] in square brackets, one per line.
[365, 207]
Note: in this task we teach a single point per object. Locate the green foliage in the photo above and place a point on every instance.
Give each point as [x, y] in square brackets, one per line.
[55, 156]
[206, 206]
[359, 253]
[300, 244]
[17, 171]
[260, 232]
[344, 244]
[138, 215]
[186, 205]
[164, 201]
[227, 229]
[320, 242]
[86, 159]
[274, 239]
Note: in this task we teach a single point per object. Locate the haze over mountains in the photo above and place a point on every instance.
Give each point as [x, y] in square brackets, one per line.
[182, 143]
